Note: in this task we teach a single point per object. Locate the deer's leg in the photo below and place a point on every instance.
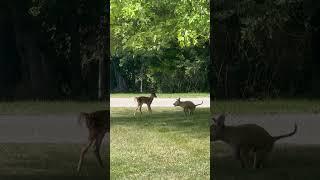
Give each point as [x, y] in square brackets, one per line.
[140, 109]
[149, 108]
[136, 110]
[97, 148]
[83, 152]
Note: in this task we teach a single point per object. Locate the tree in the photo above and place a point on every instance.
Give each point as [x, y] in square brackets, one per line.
[158, 35]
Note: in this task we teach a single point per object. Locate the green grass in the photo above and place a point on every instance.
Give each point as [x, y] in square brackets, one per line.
[49, 107]
[235, 106]
[267, 106]
[287, 162]
[47, 161]
[161, 95]
[162, 145]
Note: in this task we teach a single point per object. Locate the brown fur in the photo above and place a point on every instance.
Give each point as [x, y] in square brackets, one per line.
[98, 124]
[144, 100]
[245, 140]
[188, 106]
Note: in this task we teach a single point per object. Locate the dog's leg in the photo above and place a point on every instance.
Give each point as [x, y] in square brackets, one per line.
[185, 112]
[260, 156]
[237, 155]
[245, 156]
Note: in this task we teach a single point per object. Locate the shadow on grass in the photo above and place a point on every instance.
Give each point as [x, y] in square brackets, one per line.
[164, 120]
[49, 161]
[287, 162]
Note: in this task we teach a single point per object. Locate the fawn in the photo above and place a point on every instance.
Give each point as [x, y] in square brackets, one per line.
[188, 106]
[249, 142]
[145, 100]
[98, 124]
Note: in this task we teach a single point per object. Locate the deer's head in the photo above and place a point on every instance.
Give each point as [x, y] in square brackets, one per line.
[217, 127]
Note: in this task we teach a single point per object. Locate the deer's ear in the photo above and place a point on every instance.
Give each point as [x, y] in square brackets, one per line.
[213, 121]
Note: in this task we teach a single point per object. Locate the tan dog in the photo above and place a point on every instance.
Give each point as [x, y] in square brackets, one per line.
[188, 106]
[144, 100]
[246, 140]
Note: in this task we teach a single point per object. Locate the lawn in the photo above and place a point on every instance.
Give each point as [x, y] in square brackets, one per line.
[161, 95]
[267, 106]
[47, 161]
[163, 145]
[233, 106]
[49, 107]
[287, 162]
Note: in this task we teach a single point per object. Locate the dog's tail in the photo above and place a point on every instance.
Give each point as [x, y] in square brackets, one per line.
[286, 135]
[199, 104]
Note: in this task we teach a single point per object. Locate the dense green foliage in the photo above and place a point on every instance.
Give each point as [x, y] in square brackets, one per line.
[51, 49]
[164, 44]
[265, 49]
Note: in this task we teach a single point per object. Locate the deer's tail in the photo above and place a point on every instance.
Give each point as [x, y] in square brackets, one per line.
[286, 135]
[82, 117]
[199, 104]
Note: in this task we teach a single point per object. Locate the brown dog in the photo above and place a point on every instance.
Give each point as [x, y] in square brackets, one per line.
[250, 143]
[188, 106]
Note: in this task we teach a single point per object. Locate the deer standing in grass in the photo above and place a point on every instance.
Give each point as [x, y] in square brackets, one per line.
[188, 106]
[98, 124]
[144, 100]
[250, 143]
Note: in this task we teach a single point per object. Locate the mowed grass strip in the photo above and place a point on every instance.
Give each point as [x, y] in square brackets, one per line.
[286, 162]
[233, 106]
[49, 107]
[266, 106]
[48, 161]
[162, 145]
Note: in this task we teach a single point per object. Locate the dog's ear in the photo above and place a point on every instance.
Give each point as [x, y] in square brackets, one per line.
[213, 119]
[220, 120]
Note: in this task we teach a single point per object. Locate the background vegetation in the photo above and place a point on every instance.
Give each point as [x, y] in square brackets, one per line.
[265, 48]
[52, 49]
[159, 45]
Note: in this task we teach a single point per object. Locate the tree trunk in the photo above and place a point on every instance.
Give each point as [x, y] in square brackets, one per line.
[34, 76]
[75, 68]
[102, 93]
